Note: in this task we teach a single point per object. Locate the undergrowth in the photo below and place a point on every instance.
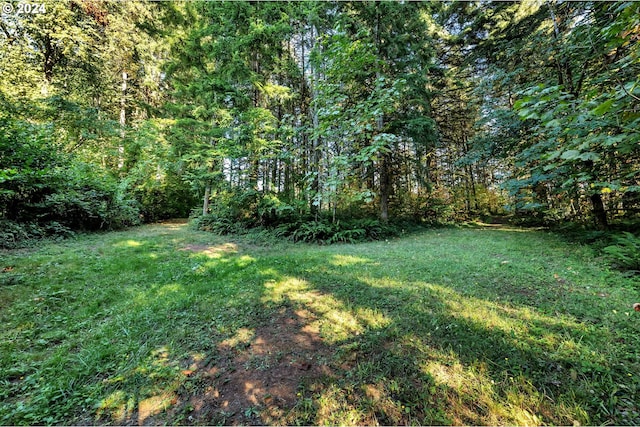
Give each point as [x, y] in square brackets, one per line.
[322, 231]
[625, 252]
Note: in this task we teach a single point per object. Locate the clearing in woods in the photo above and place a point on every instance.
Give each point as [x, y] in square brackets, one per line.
[163, 324]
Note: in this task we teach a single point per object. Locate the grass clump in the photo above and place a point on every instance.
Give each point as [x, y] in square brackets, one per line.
[163, 324]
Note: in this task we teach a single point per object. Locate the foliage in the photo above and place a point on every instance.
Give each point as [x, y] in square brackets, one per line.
[241, 214]
[625, 252]
[164, 199]
[273, 114]
[272, 211]
[219, 225]
[308, 231]
[89, 201]
[577, 101]
[346, 231]
[18, 234]
[370, 100]
[46, 192]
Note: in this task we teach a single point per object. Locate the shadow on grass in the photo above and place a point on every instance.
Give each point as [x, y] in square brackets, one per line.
[223, 335]
[527, 366]
[329, 347]
[429, 364]
[499, 362]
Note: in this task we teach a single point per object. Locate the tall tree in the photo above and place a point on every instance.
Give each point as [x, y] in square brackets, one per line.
[573, 93]
[374, 96]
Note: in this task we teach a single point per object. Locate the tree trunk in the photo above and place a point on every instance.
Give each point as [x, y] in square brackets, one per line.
[467, 194]
[205, 203]
[599, 212]
[51, 57]
[254, 173]
[385, 173]
[288, 191]
[123, 120]
[315, 147]
[315, 140]
[385, 187]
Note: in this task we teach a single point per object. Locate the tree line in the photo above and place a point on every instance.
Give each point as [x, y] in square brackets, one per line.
[282, 114]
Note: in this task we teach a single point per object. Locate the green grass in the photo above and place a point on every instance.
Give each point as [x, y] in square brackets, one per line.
[447, 326]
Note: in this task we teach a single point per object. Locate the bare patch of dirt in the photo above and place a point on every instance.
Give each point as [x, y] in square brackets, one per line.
[154, 405]
[255, 378]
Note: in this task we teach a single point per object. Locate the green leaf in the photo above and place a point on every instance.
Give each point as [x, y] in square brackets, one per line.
[521, 103]
[590, 156]
[527, 114]
[612, 140]
[602, 109]
[570, 155]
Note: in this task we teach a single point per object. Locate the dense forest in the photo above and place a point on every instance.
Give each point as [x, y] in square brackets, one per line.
[301, 116]
[484, 156]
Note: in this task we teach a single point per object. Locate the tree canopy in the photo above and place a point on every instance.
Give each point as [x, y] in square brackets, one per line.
[274, 114]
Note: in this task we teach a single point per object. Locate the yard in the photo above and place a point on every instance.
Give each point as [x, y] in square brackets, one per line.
[161, 324]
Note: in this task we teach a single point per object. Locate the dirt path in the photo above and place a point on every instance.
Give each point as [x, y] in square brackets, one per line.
[254, 378]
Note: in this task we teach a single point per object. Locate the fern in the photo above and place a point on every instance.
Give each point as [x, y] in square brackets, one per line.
[295, 228]
[348, 236]
[625, 254]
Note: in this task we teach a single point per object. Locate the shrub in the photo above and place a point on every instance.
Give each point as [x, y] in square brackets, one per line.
[159, 200]
[87, 200]
[348, 236]
[46, 192]
[323, 231]
[625, 253]
[314, 231]
[218, 224]
[347, 231]
[14, 234]
[273, 211]
[251, 212]
[11, 233]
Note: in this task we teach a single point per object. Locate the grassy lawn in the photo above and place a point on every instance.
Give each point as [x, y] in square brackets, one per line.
[162, 324]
